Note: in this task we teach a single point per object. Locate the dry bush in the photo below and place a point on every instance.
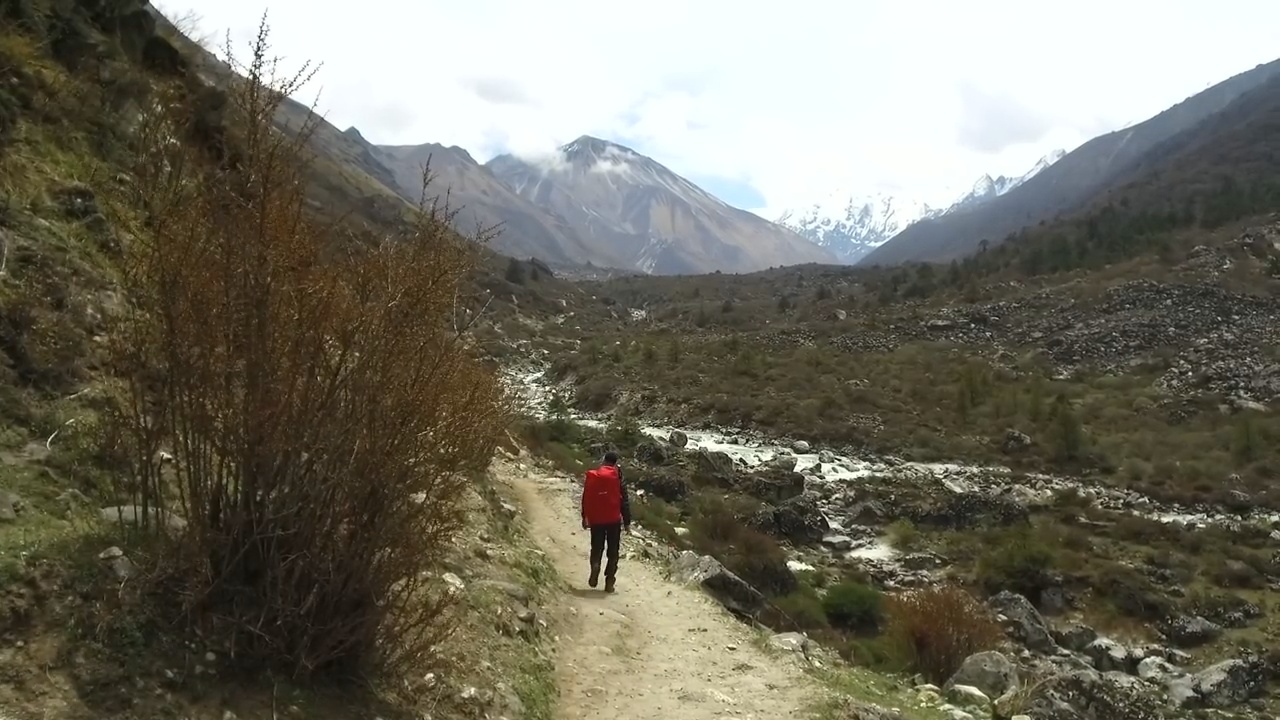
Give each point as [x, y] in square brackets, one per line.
[932, 631]
[321, 406]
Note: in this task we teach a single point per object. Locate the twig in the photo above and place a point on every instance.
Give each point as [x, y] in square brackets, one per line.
[48, 444]
[4, 254]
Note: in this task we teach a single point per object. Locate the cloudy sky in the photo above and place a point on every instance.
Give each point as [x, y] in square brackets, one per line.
[770, 105]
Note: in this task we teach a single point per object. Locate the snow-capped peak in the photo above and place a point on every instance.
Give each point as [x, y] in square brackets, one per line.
[851, 227]
[611, 164]
[1043, 163]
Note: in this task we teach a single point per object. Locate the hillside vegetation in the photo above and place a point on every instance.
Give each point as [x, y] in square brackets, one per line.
[243, 443]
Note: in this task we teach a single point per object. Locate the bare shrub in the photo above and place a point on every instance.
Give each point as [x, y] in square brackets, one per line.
[322, 410]
[931, 631]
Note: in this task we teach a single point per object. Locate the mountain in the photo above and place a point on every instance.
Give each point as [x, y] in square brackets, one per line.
[1067, 185]
[988, 188]
[633, 207]
[483, 200]
[851, 228]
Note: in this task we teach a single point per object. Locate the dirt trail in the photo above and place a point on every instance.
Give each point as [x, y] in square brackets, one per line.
[654, 649]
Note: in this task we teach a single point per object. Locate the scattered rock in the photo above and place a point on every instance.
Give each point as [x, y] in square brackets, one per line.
[115, 560]
[968, 697]
[1015, 441]
[1157, 669]
[454, 582]
[792, 642]
[1091, 695]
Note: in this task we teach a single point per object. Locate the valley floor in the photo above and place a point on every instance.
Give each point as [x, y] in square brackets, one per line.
[653, 649]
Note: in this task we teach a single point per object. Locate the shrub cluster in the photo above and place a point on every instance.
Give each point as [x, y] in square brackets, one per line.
[932, 631]
[313, 387]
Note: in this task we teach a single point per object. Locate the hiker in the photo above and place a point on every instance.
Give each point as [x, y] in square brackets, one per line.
[606, 511]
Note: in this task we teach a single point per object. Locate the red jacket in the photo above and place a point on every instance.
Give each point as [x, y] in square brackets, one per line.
[604, 499]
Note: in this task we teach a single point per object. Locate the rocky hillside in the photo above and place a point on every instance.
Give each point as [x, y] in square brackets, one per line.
[1082, 177]
[634, 206]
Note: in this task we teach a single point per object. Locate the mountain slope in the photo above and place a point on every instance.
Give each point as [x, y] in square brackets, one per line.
[851, 228]
[631, 206]
[1224, 170]
[1065, 186]
[525, 229]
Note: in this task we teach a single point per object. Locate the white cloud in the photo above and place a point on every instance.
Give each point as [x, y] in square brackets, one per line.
[797, 98]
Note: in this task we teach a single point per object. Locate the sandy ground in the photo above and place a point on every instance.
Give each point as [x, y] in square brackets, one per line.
[653, 649]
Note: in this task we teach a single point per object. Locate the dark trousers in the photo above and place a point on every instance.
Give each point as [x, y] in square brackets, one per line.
[602, 536]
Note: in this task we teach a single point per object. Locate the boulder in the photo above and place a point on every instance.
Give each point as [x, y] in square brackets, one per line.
[714, 467]
[1074, 636]
[727, 588]
[1091, 695]
[652, 453]
[1222, 685]
[665, 486]
[1157, 669]
[1023, 622]
[1110, 656]
[786, 463]
[800, 447]
[1189, 631]
[800, 520]
[678, 439]
[839, 543]
[991, 672]
[772, 485]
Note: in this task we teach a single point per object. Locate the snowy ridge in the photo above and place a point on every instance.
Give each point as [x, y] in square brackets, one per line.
[987, 187]
[855, 228]
[851, 227]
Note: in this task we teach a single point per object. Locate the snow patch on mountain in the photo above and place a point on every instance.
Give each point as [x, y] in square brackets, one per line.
[858, 226]
[851, 227]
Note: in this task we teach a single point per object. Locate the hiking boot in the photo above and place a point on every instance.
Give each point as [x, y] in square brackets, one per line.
[608, 584]
[594, 578]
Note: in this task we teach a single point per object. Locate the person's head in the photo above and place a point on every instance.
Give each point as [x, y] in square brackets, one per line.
[611, 458]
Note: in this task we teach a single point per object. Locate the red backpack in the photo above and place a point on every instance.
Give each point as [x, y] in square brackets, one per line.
[602, 496]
